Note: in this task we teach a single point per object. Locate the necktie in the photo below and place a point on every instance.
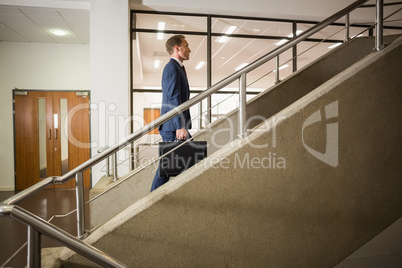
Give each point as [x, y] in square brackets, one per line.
[184, 70]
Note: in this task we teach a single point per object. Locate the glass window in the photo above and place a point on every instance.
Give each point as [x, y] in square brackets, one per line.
[150, 57]
[43, 136]
[251, 27]
[229, 53]
[170, 22]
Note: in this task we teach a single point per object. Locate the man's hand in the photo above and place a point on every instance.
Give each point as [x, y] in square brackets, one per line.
[181, 134]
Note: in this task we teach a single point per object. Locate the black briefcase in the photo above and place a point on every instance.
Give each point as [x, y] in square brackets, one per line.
[183, 157]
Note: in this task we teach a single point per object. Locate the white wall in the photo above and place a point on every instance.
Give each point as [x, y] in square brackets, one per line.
[34, 66]
[102, 67]
[110, 76]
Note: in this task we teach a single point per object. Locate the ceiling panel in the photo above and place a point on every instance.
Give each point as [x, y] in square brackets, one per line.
[26, 24]
[78, 20]
[10, 35]
[15, 19]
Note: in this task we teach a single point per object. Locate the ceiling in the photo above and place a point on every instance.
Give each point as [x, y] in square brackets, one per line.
[34, 22]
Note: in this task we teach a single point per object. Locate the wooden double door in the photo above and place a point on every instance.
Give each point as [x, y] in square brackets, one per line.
[51, 135]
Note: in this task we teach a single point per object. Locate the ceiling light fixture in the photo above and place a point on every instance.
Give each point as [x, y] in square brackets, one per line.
[225, 38]
[230, 30]
[335, 45]
[282, 67]
[222, 39]
[157, 63]
[297, 33]
[199, 65]
[59, 32]
[281, 42]
[161, 27]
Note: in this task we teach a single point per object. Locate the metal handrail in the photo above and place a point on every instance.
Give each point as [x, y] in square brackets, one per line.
[38, 226]
[385, 4]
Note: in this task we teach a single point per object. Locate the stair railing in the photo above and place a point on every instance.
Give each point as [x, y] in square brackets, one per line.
[38, 227]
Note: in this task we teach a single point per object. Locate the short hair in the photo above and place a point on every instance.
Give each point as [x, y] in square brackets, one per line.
[173, 41]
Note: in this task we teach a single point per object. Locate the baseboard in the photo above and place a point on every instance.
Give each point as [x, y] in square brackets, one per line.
[6, 188]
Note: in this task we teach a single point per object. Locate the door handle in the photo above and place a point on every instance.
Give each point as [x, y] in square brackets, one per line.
[55, 134]
[49, 135]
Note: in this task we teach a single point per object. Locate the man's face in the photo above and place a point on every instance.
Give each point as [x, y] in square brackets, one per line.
[184, 50]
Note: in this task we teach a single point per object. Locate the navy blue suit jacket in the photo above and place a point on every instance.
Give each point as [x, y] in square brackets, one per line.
[175, 91]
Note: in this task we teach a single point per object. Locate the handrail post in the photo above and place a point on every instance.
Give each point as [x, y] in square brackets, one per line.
[79, 194]
[107, 160]
[34, 250]
[200, 113]
[137, 155]
[347, 27]
[108, 166]
[277, 69]
[294, 48]
[242, 106]
[115, 175]
[379, 44]
[209, 69]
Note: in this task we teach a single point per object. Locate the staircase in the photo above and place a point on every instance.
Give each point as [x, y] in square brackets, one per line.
[225, 130]
[310, 185]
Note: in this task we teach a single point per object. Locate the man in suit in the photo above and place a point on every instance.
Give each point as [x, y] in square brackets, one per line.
[175, 91]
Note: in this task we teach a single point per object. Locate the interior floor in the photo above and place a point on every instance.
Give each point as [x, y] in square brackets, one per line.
[45, 204]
